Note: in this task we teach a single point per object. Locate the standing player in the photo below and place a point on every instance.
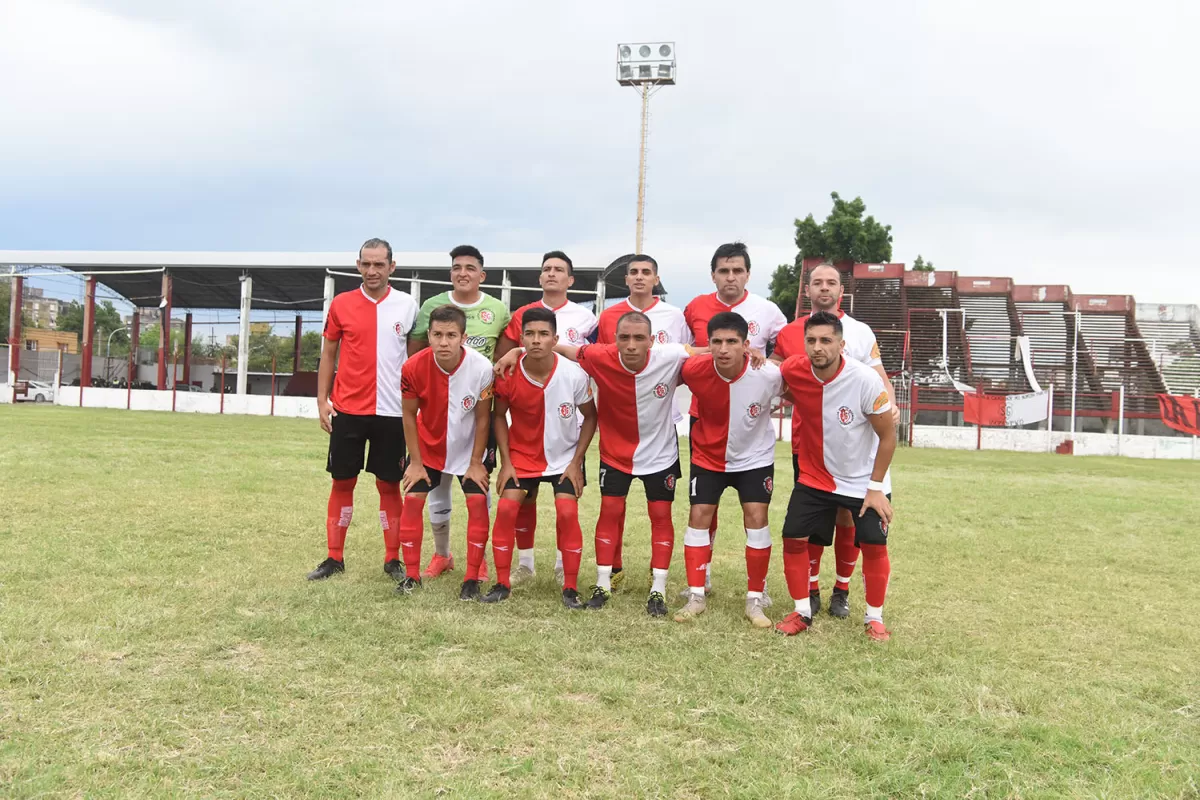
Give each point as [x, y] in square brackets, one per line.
[545, 444]
[446, 389]
[825, 291]
[576, 325]
[486, 319]
[733, 445]
[846, 446]
[366, 334]
[667, 325]
[730, 270]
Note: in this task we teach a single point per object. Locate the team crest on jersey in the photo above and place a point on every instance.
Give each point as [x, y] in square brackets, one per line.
[660, 391]
[398, 329]
[486, 315]
[565, 410]
[669, 482]
[754, 410]
[753, 327]
[845, 415]
[572, 335]
[661, 337]
[468, 402]
[769, 484]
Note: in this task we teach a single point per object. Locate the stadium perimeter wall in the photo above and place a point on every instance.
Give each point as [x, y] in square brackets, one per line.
[189, 402]
[1086, 444]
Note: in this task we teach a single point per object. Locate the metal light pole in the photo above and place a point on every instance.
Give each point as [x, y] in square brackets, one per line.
[647, 66]
[108, 344]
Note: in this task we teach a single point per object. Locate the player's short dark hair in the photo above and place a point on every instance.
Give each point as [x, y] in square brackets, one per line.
[823, 318]
[730, 250]
[467, 250]
[374, 242]
[563, 256]
[642, 257]
[539, 314]
[635, 316]
[449, 313]
[812, 271]
[729, 321]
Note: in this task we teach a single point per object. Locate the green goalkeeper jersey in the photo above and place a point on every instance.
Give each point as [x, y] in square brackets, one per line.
[486, 319]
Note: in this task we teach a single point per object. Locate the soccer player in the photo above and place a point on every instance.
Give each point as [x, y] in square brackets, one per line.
[366, 334]
[733, 445]
[730, 270]
[576, 325]
[846, 446]
[486, 320]
[825, 291]
[667, 325]
[545, 444]
[447, 392]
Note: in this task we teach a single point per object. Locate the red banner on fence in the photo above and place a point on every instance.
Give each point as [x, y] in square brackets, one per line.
[984, 410]
[1180, 412]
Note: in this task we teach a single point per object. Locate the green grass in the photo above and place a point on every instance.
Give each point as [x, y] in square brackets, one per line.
[157, 638]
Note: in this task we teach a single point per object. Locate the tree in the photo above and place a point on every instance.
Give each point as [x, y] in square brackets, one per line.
[108, 319]
[845, 236]
[921, 265]
[5, 302]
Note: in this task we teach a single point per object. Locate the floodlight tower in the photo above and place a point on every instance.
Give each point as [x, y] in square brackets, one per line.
[647, 66]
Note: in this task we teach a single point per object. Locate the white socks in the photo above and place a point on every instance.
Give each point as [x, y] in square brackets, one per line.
[525, 558]
[804, 608]
[660, 581]
[604, 577]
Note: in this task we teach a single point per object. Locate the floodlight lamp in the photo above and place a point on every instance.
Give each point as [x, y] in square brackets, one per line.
[626, 72]
[664, 70]
[644, 51]
[644, 71]
[664, 50]
[626, 52]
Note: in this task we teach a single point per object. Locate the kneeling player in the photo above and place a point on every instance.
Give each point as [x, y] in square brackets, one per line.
[846, 446]
[446, 390]
[733, 445]
[544, 444]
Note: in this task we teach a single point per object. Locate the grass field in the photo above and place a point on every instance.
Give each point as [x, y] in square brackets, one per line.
[157, 637]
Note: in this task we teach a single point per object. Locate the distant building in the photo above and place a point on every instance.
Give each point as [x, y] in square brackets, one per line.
[256, 329]
[41, 311]
[42, 340]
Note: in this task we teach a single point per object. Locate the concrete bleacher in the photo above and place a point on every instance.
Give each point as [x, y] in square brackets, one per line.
[1172, 337]
[991, 323]
[1119, 354]
[1043, 313]
[879, 302]
[935, 329]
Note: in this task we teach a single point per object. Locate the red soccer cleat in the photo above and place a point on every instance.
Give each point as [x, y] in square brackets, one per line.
[792, 624]
[438, 565]
[876, 631]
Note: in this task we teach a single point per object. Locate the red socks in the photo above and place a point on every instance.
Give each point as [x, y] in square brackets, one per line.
[815, 551]
[877, 569]
[795, 567]
[412, 526]
[337, 515]
[477, 534]
[662, 534]
[503, 537]
[391, 504]
[570, 539]
[846, 553]
[758, 558]
[526, 525]
[608, 530]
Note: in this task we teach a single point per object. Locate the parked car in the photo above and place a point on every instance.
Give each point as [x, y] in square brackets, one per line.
[39, 392]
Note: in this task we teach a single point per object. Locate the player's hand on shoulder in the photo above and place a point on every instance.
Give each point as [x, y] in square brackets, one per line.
[507, 364]
[757, 359]
[895, 414]
[878, 501]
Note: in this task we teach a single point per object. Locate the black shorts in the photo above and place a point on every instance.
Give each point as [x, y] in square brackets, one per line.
[658, 485]
[811, 514]
[435, 480]
[753, 485]
[530, 485]
[348, 446]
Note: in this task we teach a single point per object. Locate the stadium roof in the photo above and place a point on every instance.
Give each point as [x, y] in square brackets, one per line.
[290, 280]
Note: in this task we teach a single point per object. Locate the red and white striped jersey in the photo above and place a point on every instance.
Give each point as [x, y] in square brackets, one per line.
[667, 324]
[763, 317]
[446, 419]
[636, 410]
[543, 430]
[575, 323]
[733, 430]
[837, 443]
[374, 345]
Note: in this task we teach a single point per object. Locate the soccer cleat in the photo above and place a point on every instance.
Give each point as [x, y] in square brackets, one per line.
[496, 594]
[687, 592]
[522, 574]
[618, 578]
[814, 601]
[767, 602]
[792, 624]
[656, 605]
[570, 599]
[755, 614]
[394, 569]
[600, 596]
[875, 630]
[839, 604]
[408, 585]
[560, 575]
[469, 591]
[693, 608]
[327, 568]
[438, 565]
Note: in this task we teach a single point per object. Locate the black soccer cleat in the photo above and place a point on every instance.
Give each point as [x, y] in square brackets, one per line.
[656, 605]
[599, 597]
[469, 591]
[814, 602]
[326, 569]
[496, 594]
[395, 569]
[570, 599]
[839, 604]
[408, 585]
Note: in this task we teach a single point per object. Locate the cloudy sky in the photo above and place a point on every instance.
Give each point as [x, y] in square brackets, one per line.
[1055, 142]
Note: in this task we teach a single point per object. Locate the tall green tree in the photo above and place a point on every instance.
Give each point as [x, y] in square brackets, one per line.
[108, 319]
[847, 234]
[921, 265]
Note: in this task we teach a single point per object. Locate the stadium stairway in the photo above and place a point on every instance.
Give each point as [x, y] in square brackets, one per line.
[926, 295]
[1043, 312]
[879, 301]
[1118, 352]
[1171, 336]
[991, 322]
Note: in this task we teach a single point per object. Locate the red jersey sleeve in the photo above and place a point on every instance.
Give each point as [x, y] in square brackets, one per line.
[790, 341]
[693, 315]
[591, 356]
[606, 329]
[513, 329]
[333, 324]
[408, 379]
